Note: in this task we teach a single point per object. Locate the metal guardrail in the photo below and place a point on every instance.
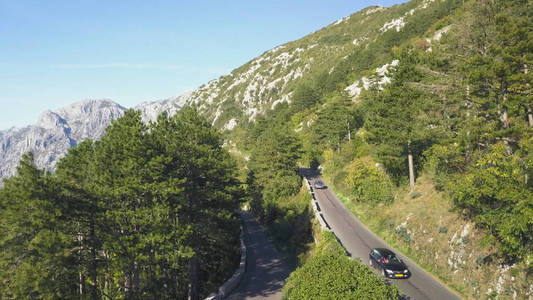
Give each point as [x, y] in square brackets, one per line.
[234, 280]
[316, 208]
[320, 217]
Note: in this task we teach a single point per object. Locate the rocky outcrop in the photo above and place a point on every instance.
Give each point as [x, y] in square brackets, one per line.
[55, 132]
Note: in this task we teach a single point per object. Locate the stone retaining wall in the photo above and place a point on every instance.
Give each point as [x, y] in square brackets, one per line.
[234, 280]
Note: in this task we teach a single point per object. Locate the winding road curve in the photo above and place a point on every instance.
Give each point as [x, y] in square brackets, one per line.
[265, 269]
[358, 241]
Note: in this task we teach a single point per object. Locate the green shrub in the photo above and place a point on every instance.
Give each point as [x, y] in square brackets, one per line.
[495, 195]
[391, 224]
[402, 232]
[332, 275]
[369, 183]
[284, 184]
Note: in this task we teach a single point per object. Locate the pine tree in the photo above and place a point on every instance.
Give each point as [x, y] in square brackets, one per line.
[273, 171]
[398, 119]
[277, 150]
[335, 123]
[121, 157]
[497, 70]
[305, 97]
[75, 175]
[36, 257]
[210, 197]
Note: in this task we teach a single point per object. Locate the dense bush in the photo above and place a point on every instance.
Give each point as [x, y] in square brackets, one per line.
[330, 274]
[369, 183]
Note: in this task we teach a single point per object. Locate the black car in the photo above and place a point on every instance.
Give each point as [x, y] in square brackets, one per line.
[391, 265]
[320, 185]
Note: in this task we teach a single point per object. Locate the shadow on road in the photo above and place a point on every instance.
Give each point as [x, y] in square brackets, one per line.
[265, 270]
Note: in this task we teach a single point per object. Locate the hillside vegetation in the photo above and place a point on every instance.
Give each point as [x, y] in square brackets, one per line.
[422, 109]
[419, 115]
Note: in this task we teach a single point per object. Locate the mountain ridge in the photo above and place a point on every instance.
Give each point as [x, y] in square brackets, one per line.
[271, 78]
[239, 97]
[54, 132]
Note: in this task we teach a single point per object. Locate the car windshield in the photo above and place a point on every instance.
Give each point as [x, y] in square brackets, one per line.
[393, 260]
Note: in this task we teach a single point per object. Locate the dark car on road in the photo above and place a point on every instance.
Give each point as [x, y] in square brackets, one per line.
[391, 266]
[319, 184]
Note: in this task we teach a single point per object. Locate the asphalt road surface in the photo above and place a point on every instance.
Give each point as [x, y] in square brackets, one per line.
[358, 240]
[265, 269]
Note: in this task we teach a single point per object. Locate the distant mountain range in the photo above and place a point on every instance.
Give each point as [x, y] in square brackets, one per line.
[55, 132]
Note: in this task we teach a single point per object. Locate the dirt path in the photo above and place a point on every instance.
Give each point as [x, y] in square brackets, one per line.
[265, 271]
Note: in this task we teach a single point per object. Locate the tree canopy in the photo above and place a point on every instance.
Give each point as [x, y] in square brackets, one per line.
[147, 211]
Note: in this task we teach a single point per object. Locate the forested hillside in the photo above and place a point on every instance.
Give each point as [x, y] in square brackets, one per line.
[149, 211]
[442, 93]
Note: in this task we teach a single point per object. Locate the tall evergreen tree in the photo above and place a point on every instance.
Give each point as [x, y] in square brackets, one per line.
[497, 70]
[120, 159]
[37, 258]
[273, 170]
[305, 97]
[398, 119]
[83, 213]
[335, 123]
[210, 197]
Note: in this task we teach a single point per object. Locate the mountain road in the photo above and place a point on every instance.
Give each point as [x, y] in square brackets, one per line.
[265, 269]
[359, 240]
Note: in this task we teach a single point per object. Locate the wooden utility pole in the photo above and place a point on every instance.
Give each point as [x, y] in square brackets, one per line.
[411, 166]
[349, 134]
[467, 104]
[529, 111]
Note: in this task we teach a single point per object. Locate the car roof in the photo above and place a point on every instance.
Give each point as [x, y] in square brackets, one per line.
[384, 251]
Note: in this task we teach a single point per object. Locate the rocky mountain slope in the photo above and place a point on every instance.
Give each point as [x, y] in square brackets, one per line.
[150, 110]
[271, 78]
[55, 132]
[239, 97]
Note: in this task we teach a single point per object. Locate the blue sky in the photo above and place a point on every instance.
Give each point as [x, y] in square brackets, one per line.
[53, 53]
